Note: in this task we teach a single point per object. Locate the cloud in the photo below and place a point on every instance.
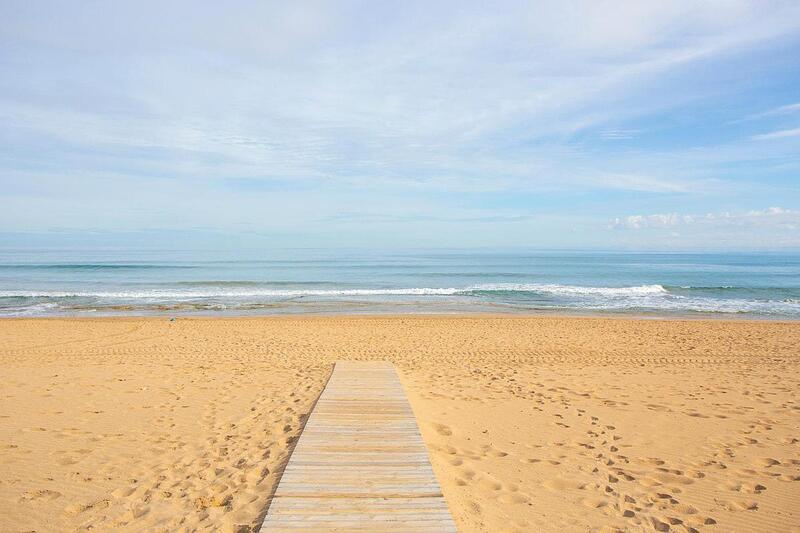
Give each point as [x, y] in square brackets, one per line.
[313, 91]
[780, 134]
[776, 217]
[272, 114]
[618, 134]
[776, 111]
[650, 221]
[651, 184]
[781, 110]
[386, 218]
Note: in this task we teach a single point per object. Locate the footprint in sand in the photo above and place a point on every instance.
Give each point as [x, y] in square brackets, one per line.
[742, 506]
[666, 478]
[513, 498]
[559, 484]
[442, 429]
[489, 484]
[751, 488]
[594, 502]
[33, 495]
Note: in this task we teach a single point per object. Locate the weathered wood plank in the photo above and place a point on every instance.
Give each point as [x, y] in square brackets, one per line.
[360, 463]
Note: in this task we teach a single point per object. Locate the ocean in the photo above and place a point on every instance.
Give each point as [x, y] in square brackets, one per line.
[102, 282]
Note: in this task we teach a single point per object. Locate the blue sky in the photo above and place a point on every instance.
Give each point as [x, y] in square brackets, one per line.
[632, 125]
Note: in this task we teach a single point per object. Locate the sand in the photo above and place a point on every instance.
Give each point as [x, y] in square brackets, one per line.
[533, 424]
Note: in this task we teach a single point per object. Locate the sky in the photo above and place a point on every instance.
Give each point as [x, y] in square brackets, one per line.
[585, 125]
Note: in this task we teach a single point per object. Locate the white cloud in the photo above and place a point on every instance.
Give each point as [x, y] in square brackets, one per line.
[781, 110]
[306, 91]
[618, 134]
[268, 114]
[781, 134]
[777, 217]
[653, 184]
[776, 111]
[647, 221]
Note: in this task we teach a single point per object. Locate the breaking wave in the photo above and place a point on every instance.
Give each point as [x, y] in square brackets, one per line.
[281, 296]
[237, 290]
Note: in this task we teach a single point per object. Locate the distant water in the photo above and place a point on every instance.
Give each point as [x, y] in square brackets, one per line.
[91, 283]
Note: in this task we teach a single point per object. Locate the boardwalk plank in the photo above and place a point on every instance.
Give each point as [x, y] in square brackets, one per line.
[360, 463]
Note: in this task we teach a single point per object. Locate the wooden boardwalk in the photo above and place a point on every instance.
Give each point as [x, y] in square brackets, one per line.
[360, 463]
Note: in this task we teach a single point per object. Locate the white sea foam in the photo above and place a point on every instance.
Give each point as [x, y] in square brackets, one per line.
[700, 305]
[637, 290]
[255, 292]
[29, 310]
[171, 294]
[545, 296]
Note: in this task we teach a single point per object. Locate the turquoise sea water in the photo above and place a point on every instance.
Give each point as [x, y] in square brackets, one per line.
[86, 283]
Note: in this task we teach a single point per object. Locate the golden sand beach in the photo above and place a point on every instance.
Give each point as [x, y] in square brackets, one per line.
[532, 423]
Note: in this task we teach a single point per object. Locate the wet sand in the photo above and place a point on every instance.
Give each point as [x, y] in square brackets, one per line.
[541, 423]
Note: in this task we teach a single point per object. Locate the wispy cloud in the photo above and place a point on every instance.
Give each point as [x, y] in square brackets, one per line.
[780, 134]
[386, 218]
[782, 110]
[618, 134]
[273, 114]
[652, 184]
[776, 111]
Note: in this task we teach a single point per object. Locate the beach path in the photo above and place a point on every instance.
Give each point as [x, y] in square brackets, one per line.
[360, 463]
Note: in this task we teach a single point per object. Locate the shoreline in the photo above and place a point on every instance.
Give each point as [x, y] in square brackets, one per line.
[717, 317]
